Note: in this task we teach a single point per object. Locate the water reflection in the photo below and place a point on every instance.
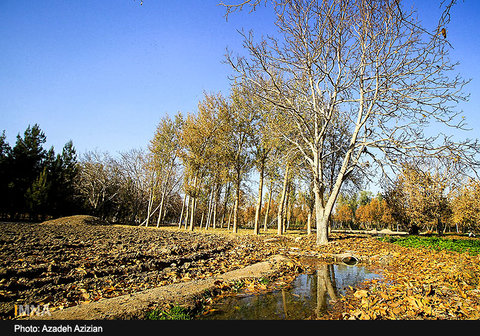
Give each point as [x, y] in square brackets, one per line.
[310, 296]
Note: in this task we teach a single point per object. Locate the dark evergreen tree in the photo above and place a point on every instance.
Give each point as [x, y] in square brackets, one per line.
[63, 171]
[34, 182]
[27, 163]
[5, 155]
[37, 196]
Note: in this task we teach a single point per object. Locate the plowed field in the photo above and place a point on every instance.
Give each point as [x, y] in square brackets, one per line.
[70, 262]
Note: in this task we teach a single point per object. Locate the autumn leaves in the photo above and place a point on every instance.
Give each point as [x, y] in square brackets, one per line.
[417, 283]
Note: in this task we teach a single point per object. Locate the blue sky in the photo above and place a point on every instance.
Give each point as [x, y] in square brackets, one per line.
[103, 73]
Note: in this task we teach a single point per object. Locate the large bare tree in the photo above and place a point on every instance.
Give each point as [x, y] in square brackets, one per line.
[368, 64]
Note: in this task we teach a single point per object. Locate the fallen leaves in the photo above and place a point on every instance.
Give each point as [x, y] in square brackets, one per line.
[360, 294]
[77, 264]
[72, 265]
[417, 283]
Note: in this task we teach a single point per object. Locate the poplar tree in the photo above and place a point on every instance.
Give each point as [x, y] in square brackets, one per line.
[237, 119]
[199, 147]
[165, 150]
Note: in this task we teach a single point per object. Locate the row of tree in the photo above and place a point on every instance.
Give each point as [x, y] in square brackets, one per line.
[434, 197]
[145, 187]
[362, 211]
[344, 91]
[33, 179]
[118, 189]
[422, 197]
[353, 88]
[36, 183]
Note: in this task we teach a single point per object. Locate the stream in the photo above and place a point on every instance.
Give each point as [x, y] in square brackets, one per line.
[309, 296]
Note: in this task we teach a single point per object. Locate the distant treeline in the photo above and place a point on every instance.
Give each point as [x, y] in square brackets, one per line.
[36, 183]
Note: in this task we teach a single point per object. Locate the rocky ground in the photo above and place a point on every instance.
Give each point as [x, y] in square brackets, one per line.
[68, 262]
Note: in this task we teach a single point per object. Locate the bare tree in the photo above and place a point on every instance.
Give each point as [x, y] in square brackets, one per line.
[114, 188]
[96, 182]
[369, 64]
[445, 5]
[134, 183]
[234, 7]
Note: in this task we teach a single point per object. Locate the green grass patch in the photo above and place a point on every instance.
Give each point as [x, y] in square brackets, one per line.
[471, 246]
[174, 313]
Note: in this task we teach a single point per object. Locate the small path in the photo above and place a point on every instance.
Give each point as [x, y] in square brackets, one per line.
[133, 306]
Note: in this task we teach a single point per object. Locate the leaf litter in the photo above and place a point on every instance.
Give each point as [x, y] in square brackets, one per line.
[65, 265]
[417, 283]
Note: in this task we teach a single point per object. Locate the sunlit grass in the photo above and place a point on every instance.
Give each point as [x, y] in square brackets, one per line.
[174, 313]
[471, 246]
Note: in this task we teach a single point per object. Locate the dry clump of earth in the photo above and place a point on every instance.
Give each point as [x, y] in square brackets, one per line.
[80, 259]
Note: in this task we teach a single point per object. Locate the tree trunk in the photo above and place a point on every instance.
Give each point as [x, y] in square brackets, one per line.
[227, 195]
[229, 218]
[286, 221]
[187, 212]
[236, 209]
[194, 201]
[321, 219]
[151, 214]
[322, 222]
[215, 202]
[256, 226]
[439, 226]
[309, 223]
[265, 223]
[323, 211]
[165, 208]
[181, 213]
[149, 209]
[209, 211]
[160, 211]
[192, 213]
[284, 301]
[150, 204]
[237, 204]
[280, 205]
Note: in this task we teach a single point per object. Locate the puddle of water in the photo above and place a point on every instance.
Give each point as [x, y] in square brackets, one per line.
[311, 295]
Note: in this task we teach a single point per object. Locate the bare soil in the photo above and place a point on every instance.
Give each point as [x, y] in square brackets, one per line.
[78, 260]
[187, 294]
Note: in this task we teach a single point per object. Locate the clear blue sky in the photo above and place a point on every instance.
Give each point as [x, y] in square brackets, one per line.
[103, 73]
